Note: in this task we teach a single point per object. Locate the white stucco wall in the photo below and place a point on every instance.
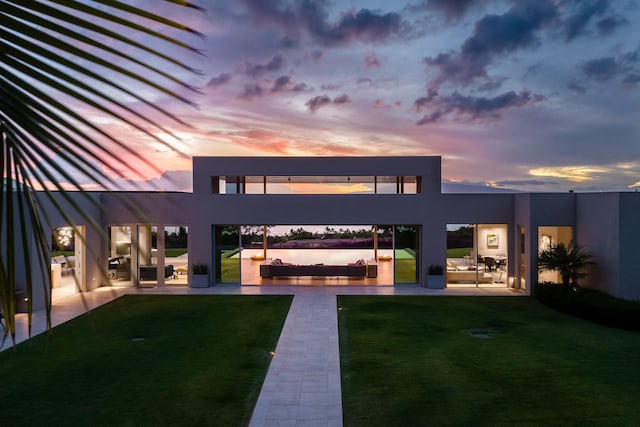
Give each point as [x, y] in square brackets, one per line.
[604, 222]
[629, 252]
[598, 230]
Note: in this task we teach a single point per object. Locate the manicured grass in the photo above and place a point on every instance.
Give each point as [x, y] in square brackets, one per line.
[230, 270]
[202, 362]
[410, 361]
[174, 252]
[458, 252]
[63, 253]
[405, 267]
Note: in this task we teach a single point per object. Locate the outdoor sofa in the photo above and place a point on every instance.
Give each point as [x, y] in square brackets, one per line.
[270, 269]
[150, 272]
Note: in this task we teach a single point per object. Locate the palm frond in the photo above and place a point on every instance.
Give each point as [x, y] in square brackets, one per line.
[59, 59]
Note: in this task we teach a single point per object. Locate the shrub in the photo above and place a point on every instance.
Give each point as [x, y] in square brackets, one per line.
[199, 268]
[591, 305]
[435, 270]
[569, 261]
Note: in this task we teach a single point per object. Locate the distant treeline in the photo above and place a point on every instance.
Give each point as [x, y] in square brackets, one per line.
[460, 238]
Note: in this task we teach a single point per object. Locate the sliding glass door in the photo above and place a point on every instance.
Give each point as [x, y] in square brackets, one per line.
[227, 253]
[406, 254]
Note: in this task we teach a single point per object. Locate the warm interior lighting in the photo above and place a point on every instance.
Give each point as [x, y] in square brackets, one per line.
[258, 256]
[65, 235]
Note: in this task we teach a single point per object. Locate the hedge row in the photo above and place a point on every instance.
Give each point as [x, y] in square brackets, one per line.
[590, 305]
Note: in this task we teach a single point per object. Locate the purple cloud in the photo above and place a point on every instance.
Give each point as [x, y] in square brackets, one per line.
[312, 17]
[317, 102]
[425, 101]
[577, 87]
[575, 25]
[608, 67]
[609, 24]
[453, 10]
[431, 118]
[469, 108]
[251, 91]
[364, 25]
[342, 99]
[380, 104]
[493, 35]
[299, 87]
[323, 100]
[276, 63]
[285, 84]
[219, 80]
[601, 69]
[271, 11]
[281, 84]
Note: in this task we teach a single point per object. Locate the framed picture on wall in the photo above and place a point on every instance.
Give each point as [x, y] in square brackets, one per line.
[493, 241]
[545, 242]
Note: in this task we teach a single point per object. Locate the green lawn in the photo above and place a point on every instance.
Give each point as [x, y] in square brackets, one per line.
[458, 252]
[202, 362]
[409, 361]
[405, 266]
[63, 253]
[174, 252]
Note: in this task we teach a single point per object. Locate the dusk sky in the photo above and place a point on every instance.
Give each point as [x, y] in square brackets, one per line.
[533, 95]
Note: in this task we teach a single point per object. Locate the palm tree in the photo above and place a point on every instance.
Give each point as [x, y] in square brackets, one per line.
[569, 261]
[58, 60]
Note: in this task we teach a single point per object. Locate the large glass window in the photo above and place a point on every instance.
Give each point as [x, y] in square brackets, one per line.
[227, 253]
[548, 237]
[147, 255]
[316, 184]
[120, 240]
[67, 247]
[254, 184]
[476, 254]
[390, 253]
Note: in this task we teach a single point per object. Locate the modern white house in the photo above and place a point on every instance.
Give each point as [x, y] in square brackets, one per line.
[370, 221]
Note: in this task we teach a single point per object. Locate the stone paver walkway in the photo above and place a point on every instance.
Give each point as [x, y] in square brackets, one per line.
[302, 387]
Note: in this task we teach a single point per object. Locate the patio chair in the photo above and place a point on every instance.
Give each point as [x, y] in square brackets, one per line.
[489, 263]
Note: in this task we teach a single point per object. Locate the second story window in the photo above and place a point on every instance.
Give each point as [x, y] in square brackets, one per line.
[282, 184]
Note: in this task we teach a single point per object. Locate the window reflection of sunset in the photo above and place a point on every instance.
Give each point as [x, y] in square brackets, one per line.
[283, 184]
[320, 188]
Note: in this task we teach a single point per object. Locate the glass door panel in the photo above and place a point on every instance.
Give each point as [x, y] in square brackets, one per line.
[227, 253]
[464, 265]
[147, 255]
[176, 259]
[119, 272]
[406, 253]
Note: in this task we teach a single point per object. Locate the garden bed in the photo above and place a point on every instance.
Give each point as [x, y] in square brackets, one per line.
[591, 305]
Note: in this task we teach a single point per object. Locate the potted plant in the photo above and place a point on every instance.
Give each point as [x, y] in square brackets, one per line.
[200, 278]
[435, 277]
